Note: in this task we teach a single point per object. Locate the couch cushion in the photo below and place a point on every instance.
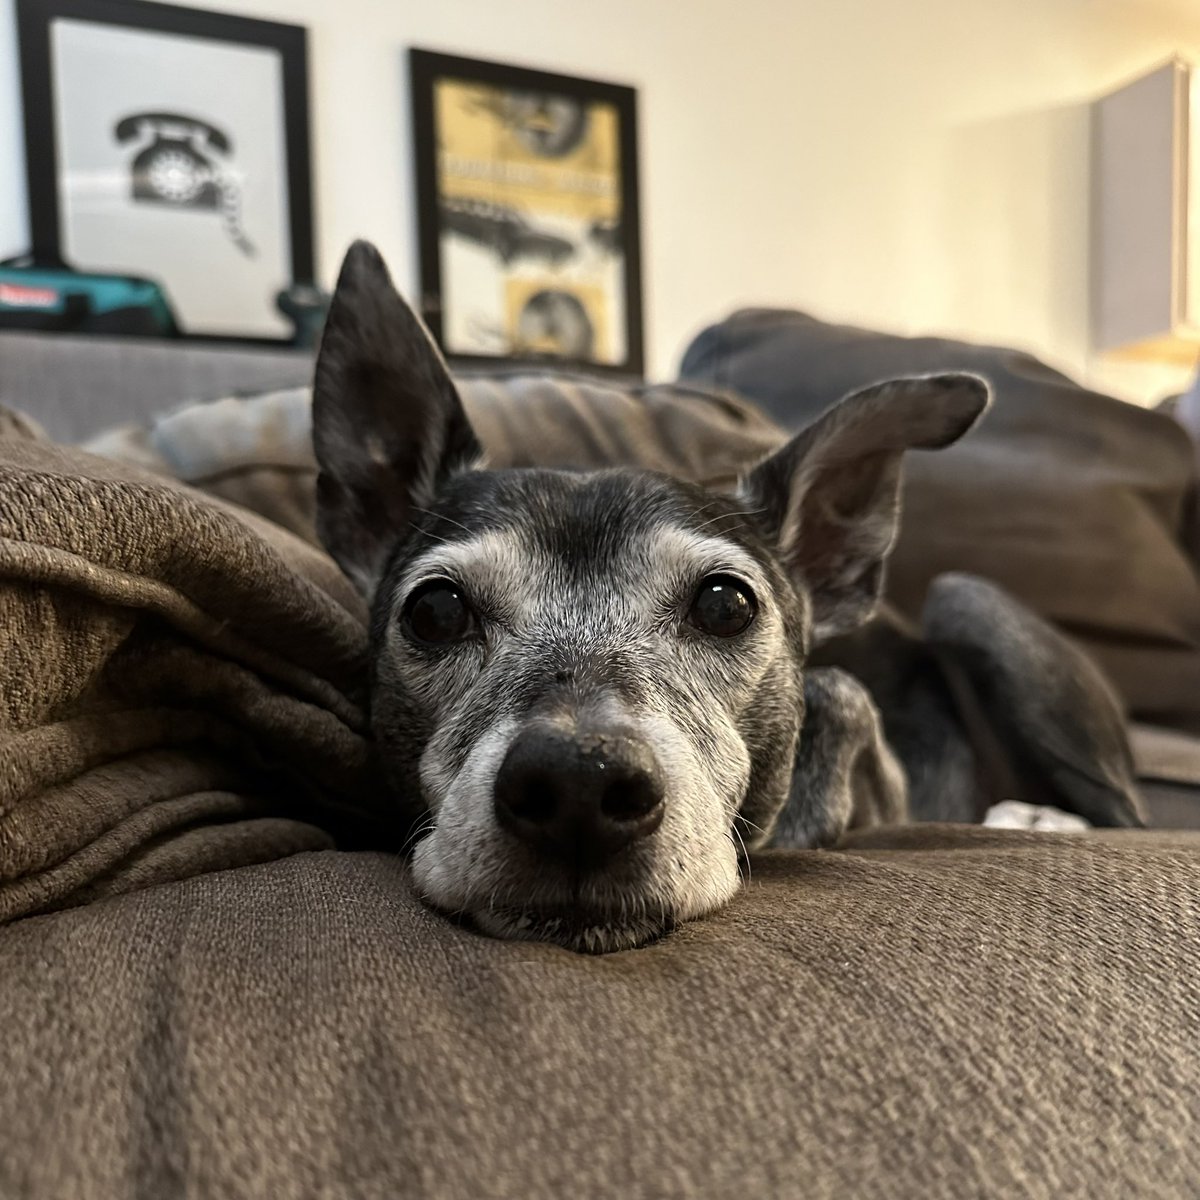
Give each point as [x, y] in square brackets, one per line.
[257, 451]
[1168, 769]
[930, 1012]
[77, 385]
[1073, 501]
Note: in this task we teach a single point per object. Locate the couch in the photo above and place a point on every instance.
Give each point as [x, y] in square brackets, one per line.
[215, 979]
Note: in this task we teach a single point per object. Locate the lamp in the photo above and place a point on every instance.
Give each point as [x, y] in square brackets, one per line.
[1145, 284]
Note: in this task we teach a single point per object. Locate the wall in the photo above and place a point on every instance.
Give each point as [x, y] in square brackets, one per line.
[915, 166]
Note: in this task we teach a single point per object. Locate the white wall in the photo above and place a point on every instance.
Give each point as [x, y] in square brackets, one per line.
[919, 165]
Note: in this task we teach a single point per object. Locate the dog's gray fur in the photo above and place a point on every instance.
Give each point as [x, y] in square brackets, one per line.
[580, 586]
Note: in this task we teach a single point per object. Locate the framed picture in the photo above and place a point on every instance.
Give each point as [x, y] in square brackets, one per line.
[171, 144]
[527, 205]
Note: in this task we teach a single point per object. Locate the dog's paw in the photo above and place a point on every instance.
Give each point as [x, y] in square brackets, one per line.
[1016, 814]
[846, 775]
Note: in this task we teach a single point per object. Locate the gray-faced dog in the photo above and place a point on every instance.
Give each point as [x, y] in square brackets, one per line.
[593, 682]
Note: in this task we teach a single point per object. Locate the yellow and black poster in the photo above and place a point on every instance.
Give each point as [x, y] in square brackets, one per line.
[531, 235]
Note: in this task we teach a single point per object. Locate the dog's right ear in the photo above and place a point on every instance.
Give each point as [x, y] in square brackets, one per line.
[830, 498]
[388, 426]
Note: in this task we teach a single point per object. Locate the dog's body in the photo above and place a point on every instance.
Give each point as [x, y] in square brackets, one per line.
[984, 703]
[591, 685]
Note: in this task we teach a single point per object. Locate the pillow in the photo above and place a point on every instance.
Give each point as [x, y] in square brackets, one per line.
[1075, 502]
[257, 452]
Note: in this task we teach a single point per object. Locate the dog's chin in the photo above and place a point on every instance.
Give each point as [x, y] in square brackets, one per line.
[573, 929]
[505, 892]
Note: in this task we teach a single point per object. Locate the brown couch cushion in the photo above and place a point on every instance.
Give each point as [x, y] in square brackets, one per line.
[1075, 502]
[257, 451]
[931, 1012]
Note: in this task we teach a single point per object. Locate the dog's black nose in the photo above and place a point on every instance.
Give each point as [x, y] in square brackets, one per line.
[579, 798]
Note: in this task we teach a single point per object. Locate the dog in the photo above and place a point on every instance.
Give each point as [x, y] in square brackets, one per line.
[592, 685]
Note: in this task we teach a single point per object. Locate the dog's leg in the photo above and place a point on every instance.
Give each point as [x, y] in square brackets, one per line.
[1057, 717]
[846, 777]
[922, 722]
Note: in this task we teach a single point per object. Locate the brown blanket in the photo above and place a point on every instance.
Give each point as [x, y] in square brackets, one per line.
[177, 682]
[929, 1013]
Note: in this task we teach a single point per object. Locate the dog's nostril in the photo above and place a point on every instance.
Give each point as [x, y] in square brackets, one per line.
[630, 799]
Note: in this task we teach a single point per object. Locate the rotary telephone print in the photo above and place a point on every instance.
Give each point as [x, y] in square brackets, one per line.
[183, 163]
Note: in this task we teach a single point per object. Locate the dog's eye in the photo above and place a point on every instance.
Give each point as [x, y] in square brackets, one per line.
[723, 606]
[437, 613]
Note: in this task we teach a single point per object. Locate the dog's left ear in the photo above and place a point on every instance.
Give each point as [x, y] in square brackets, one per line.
[830, 498]
[388, 425]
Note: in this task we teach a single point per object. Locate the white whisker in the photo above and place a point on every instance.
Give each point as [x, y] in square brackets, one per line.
[441, 517]
[430, 534]
[424, 827]
[748, 512]
[745, 855]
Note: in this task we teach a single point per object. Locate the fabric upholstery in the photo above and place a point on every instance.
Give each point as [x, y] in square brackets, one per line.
[926, 1013]
[257, 452]
[76, 386]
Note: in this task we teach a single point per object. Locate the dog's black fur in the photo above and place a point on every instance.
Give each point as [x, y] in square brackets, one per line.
[987, 702]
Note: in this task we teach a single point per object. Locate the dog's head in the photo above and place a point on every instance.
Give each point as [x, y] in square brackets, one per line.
[591, 680]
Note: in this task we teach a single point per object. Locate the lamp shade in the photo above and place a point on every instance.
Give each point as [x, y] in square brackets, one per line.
[1145, 284]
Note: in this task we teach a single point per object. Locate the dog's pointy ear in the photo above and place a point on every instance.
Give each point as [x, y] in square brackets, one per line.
[830, 498]
[388, 425]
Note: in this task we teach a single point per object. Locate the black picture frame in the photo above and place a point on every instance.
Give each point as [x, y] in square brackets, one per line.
[426, 69]
[35, 19]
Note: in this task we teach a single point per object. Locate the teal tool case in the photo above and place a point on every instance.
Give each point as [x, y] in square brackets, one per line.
[36, 297]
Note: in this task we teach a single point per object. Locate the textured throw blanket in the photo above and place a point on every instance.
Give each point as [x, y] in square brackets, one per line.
[177, 683]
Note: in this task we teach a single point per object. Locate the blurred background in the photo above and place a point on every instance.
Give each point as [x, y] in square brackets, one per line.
[910, 167]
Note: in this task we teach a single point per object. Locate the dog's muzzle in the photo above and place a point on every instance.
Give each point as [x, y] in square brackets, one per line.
[578, 798]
